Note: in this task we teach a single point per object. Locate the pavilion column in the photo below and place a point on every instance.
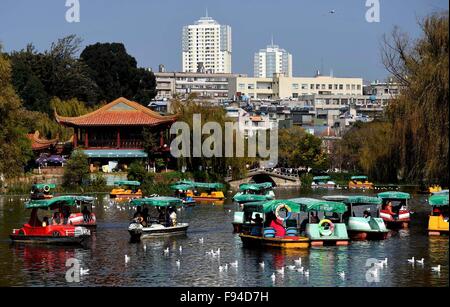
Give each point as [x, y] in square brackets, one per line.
[118, 138]
[75, 138]
[86, 139]
[161, 139]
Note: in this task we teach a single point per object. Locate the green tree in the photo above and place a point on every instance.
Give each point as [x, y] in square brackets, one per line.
[15, 147]
[137, 172]
[76, 172]
[116, 73]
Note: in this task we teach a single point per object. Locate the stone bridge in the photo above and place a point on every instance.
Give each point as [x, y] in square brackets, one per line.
[277, 179]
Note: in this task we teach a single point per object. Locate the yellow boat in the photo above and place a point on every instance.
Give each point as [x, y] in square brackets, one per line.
[269, 224]
[360, 182]
[126, 190]
[438, 220]
[201, 190]
[435, 188]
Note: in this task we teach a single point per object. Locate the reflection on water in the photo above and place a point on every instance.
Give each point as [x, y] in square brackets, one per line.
[26, 265]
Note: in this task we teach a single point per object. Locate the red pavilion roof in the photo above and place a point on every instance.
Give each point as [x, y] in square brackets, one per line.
[120, 112]
[38, 143]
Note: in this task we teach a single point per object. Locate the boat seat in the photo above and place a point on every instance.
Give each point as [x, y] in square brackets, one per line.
[269, 232]
[256, 231]
[291, 232]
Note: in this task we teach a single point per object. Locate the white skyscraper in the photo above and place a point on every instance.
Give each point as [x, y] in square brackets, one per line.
[272, 60]
[207, 47]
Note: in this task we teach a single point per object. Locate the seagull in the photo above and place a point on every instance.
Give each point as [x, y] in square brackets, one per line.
[218, 252]
[181, 249]
[385, 261]
[200, 240]
[298, 261]
[166, 251]
[178, 263]
[342, 275]
[229, 211]
[84, 271]
[281, 271]
[307, 273]
[421, 261]
[226, 267]
[332, 11]
[127, 259]
[234, 264]
[291, 267]
[145, 247]
[273, 277]
[220, 268]
[436, 268]
[262, 264]
[411, 260]
[300, 270]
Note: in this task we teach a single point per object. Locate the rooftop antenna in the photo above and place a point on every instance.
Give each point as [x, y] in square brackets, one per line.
[331, 72]
[271, 40]
[206, 12]
[321, 64]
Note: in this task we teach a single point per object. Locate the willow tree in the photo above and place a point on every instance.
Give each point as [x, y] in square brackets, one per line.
[420, 114]
[15, 148]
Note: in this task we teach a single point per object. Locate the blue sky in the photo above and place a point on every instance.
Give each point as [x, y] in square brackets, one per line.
[151, 30]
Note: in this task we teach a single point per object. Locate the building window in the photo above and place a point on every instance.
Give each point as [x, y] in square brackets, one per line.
[317, 86]
[295, 86]
[312, 86]
[353, 87]
[347, 87]
[341, 86]
[323, 86]
[241, 85]
[330, 86]
[304, 86]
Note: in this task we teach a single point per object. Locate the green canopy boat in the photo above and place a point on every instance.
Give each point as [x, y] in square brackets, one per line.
[58, 201]
[438, 200]
[159, 201]
[253, 192]
[329, 230]
[359, 177]
[43, 186]
[393, 195]
[272, 205]
[359, 226]
[127, 183]
[213, 189]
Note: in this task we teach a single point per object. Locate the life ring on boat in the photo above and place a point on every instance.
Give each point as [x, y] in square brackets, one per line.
[326, 231]
[46, 188]
[280, 207]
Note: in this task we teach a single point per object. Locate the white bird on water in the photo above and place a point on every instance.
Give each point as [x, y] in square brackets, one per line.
[385, 261]
[127, 259]
[291, 267]
[307, 273]
[225, 267]
[200, 240]
[281, 271]
[273, 277]
[178, 263]
[342, 275]
[221, 268]
[218, 252]
[262, 264]
[181, 249]
[145, 247]
[234, 264]
[298, 261]
[166, 251]
[421, 261]
[300, 270]
[412, 260]
[436, 268]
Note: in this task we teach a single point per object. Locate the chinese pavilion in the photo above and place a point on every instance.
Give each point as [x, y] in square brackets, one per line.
[115, 130]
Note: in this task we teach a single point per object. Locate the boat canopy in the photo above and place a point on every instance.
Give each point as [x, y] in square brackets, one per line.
[359, 178]
[43, 185]
[160, 201]
[439, 200]
[311, 204]
[443, 192]
[58, 201]
[255, 186]
[182, 187]
[272, 205]
[203, 185]
[321, 178]
[250, 198]
[355, 199]
[394, 195]
[127, 182]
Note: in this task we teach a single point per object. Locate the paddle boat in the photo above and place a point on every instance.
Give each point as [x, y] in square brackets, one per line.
[42, 190]
[328, 231]
[362, 217]
[160, 224]
[56, 230]
[253, 192]
[360, 182]
[323, 182]
[434, 189]
[181, 190]
[126, 189]
[204, 190]
[265, 225]
[438, 220]
[84, 217]
[394, 211]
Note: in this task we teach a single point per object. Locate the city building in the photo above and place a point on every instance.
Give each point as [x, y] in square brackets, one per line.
[272, 60]
[207, 47]
[281, 87]
[211, 86]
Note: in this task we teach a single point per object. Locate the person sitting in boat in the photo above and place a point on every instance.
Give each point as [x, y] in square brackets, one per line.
[145, 215]
[274, 223]
[314, 219]
[34, 219]
[86, 214]
[388, 210]
[65, 214]
[173, 217]
[161, 216]
[303, 226]
[45, 221]
[56, 218]
[367, 214]
[258, 220]
[137, 218]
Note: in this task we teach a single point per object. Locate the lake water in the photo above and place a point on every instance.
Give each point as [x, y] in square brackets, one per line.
[103, 255]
